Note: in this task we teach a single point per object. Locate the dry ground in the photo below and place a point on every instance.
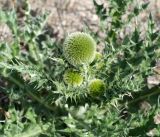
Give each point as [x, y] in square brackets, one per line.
[74, 15]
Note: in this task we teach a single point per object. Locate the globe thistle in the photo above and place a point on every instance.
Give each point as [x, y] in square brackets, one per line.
[79, 48]
[96, 87]
[73, 77]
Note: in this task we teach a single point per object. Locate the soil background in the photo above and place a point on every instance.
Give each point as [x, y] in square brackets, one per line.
[68, 16]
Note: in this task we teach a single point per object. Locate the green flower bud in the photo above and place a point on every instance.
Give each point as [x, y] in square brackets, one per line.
[96, 87]
[98, 56]
[79, 48]
[73, 77]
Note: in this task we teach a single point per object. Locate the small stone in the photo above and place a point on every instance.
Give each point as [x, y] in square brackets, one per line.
[157, 119]
[157, 67]
[145, 106]
[5, 33]
[152, 132]
[153, 81]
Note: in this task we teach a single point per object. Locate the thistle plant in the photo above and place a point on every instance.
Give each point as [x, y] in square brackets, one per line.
[96, 87]
[73, 78]
[79, 48]
[41, 94]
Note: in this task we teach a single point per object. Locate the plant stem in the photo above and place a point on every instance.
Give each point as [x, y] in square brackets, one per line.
[144, 96]
[85, 73]
[30, 94]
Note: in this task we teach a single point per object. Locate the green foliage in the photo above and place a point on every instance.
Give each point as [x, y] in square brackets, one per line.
[37, 100]
[98, 56]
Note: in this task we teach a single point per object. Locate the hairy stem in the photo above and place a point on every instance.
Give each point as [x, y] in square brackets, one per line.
[156, 91]
[30, 94]
[85, 68]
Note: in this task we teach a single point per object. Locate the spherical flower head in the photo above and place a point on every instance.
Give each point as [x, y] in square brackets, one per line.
[79, 48]
[73, 78]
[96, 87]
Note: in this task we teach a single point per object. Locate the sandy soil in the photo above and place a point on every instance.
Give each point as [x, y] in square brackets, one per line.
[67, 16]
